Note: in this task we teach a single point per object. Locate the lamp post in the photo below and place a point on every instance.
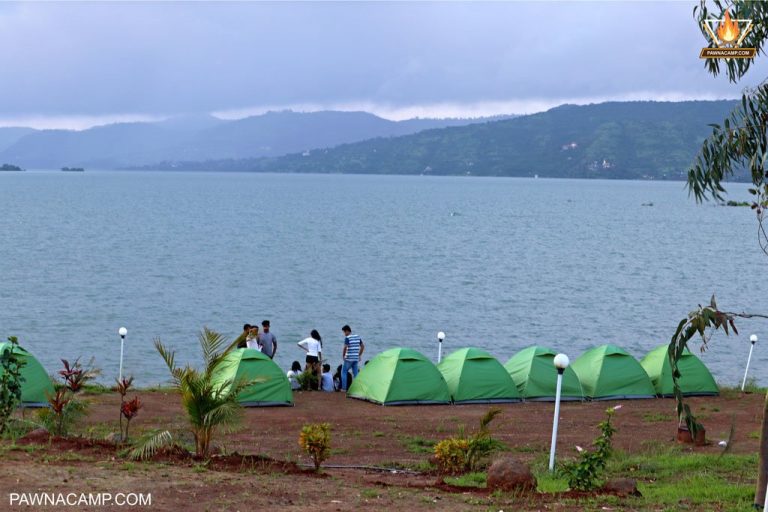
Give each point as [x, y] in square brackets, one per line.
[440, 338]
[122, 332]
[561, 362]
[753, 340]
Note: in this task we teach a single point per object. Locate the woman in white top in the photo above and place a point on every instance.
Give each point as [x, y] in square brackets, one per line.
[313, 346]
[252, 340]
[293, 375]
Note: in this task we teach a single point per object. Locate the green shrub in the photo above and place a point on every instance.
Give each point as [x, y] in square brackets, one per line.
[10, 382]
[315, 440]
[64, 412]
[210, 405]
[451, 454]
[584, 473]
[307, 380]
[461, 453]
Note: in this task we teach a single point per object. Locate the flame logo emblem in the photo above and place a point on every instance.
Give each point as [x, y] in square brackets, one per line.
[728, 31]
[727, 36]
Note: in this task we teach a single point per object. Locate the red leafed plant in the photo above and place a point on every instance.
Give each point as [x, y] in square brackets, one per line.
[76, 376]
[129, 409]
[59, 402]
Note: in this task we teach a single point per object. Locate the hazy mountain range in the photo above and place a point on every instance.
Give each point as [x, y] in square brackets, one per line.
[635, 140]
[192, 138]
[629, 140]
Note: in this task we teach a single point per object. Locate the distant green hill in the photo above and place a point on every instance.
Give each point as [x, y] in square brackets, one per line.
[627, 140]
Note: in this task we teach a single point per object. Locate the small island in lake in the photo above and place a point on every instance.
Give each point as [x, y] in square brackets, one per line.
[73, 169]
[9, 167]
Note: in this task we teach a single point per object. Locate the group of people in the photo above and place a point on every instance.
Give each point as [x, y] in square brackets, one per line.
[313, 346]
[263, 341]
[266, 342]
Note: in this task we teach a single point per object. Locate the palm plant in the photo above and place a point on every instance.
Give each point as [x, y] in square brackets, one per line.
[210, 403]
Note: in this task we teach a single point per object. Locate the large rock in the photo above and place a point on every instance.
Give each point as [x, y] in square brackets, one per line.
[37, 436]
[507, 474]
[622, 487]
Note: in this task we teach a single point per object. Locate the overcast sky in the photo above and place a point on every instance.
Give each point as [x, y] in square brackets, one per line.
[79, 64]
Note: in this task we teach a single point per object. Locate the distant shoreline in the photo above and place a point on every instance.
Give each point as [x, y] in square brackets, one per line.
[274, 173]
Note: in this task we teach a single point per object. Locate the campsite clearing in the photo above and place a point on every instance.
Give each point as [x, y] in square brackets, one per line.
[364, 434]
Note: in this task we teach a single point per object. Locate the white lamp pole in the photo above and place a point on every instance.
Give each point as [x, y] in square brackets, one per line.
[753, 340]
[561, 362]
[440, 338]
[122, 332]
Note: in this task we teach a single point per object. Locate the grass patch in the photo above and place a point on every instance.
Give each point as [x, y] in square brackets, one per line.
[670, 478]
[417, 444]
[750, 386]
[369, 494]
[423, 466]
[97, 389]
[528, 448]
[468, 480]
[551, 482]
[657, 417]
[378, 434]
[160, 388]
[28, 448]
[100, 430]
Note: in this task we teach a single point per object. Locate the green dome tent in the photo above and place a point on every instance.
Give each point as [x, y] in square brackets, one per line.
[535, 376]
[37, 384]
[400, 376]
[608, 372]
[695, 378]
[248, 364]
[475, 376]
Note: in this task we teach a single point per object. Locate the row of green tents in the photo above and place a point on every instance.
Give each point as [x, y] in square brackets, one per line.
[469, 375]
[273, 387]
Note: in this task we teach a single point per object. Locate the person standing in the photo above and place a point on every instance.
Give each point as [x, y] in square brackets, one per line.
[252, 340]
[267, 340]
[313, 346]
[353, 350]
[241, 339]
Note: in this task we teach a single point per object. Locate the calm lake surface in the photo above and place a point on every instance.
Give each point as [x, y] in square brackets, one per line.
[495, 263]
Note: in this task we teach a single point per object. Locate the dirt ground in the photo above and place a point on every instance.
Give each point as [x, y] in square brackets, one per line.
[363, 434]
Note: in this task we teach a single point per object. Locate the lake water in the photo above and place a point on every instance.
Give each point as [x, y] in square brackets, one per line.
[495, 263]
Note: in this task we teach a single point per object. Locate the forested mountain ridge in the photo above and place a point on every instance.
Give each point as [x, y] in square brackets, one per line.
[628, 140]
